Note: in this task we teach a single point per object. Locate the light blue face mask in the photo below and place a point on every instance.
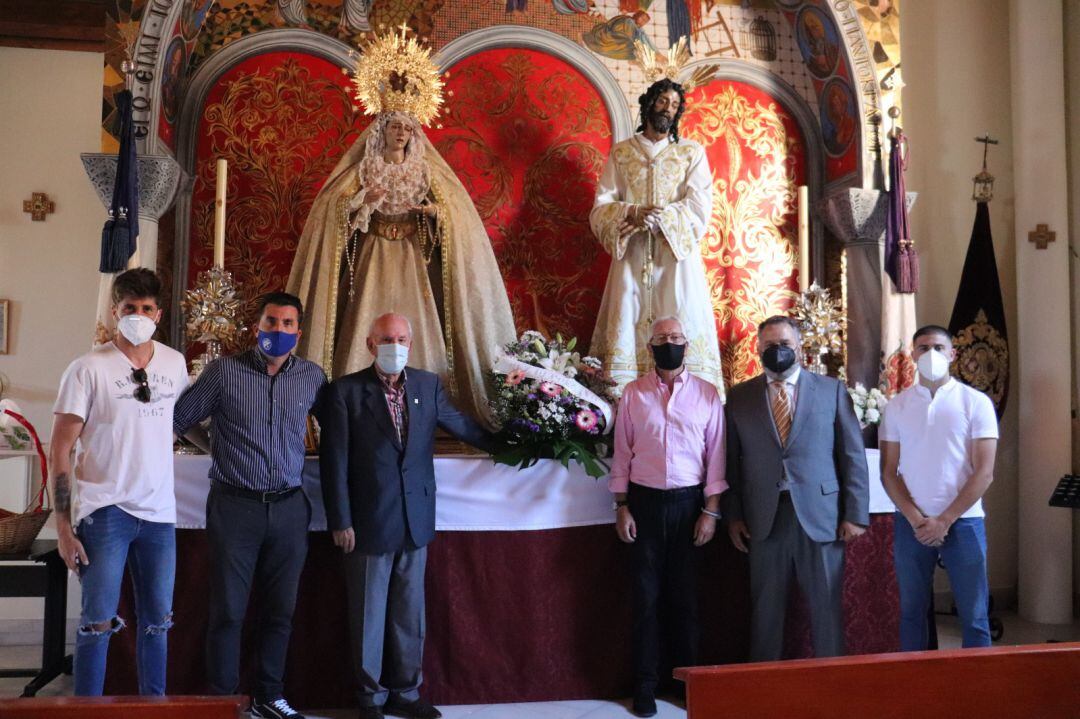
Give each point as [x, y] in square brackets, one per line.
[391, 358]
[276, 344]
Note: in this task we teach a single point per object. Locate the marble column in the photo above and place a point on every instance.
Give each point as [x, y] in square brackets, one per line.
[1042, 344]
[857, 217]
[159, 178]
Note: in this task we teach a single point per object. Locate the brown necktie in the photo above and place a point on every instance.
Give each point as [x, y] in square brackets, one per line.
[781, 411]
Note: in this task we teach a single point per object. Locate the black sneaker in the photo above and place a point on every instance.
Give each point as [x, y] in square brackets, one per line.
[418, 709]
[277, 709]
[644, 704]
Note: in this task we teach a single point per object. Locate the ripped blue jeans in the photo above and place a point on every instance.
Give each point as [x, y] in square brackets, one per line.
[112, 539]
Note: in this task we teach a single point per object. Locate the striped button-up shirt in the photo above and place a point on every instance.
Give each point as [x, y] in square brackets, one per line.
[258, 420]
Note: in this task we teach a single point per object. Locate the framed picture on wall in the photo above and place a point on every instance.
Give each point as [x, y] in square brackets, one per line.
[4, 304]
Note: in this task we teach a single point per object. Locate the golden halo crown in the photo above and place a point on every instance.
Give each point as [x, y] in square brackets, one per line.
[394, 73]
[671, 65]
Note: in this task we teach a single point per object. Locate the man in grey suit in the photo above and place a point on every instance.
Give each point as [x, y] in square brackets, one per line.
[378, 483]
[796, 467]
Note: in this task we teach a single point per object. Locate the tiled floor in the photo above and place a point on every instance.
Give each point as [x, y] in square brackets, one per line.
[1017, 631]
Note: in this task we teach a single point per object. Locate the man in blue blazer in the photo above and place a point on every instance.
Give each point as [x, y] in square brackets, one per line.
[378, 481]
[796, 468]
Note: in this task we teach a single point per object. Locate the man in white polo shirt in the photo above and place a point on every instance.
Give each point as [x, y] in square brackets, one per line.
[938, 441]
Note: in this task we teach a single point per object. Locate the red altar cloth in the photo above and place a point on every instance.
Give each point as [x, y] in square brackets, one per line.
[511, 616]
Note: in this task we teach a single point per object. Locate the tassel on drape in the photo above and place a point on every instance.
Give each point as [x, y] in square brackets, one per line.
[901, 259]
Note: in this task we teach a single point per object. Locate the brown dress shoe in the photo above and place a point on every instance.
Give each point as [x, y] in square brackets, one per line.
[418, 709]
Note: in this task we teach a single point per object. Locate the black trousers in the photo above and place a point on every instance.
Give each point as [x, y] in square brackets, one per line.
[260, 546]
[665, 567]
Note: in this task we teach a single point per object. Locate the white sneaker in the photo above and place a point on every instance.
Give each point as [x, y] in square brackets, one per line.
[277, 709]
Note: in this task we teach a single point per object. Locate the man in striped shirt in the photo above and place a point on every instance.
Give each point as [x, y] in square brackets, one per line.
[256, 513]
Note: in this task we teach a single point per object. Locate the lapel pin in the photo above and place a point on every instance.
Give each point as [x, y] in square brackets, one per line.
[416, 400]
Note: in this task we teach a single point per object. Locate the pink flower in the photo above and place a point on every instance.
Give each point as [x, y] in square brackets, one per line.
[585, 420]
[515, 377]
[550, 389]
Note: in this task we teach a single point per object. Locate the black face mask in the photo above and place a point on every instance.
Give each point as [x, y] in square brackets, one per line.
[778, 358]
[668, 356]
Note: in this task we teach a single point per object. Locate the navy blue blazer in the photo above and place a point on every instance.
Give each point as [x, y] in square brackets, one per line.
[384, 491]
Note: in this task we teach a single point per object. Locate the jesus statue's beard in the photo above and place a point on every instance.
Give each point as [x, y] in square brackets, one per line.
[660, 122]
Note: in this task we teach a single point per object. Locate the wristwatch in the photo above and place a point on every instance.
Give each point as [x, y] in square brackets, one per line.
[619, 503]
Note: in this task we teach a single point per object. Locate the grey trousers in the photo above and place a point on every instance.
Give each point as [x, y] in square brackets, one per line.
[386, 623]
[819, 569]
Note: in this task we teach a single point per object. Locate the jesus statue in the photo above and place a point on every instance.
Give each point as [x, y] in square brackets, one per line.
[653, 204]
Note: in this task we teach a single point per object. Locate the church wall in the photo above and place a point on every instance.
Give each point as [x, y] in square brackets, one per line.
[47, 269]
[957, 88]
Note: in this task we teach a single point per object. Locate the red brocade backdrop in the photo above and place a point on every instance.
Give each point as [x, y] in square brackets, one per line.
[528, 135]
[282, 120]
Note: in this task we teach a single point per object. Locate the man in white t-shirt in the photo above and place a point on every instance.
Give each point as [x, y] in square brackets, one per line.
[115, 410]
[938, 441]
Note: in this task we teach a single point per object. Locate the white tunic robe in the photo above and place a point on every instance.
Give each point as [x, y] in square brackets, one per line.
[676, 177]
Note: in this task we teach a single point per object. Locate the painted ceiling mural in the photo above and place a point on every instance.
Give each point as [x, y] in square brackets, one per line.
[800, 41]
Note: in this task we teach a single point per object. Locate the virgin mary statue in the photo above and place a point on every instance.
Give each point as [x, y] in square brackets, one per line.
[394, 230]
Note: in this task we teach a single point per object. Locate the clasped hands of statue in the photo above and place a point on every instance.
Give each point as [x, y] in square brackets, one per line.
[639, 217]
[374, 195]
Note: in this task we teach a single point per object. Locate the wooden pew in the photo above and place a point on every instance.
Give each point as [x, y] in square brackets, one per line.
[127, 707]
[1031, 682]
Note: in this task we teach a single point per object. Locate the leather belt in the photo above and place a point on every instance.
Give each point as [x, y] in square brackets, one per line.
[265, 497]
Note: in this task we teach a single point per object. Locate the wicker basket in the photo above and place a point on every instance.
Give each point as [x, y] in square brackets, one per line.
[18, 531]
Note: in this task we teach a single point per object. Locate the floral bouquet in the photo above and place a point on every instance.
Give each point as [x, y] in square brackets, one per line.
[868, 404]
[551, 403]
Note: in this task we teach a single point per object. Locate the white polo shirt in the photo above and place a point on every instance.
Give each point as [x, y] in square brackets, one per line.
[936, 436]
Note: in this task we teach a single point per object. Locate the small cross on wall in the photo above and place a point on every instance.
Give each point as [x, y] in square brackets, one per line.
[38, 206]
[1041, 236]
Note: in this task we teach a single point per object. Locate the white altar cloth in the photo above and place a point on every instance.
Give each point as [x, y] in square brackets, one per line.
[472, 494]
[475, 494]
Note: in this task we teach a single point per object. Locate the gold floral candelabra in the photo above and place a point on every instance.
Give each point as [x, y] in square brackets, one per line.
[212, 309]
[823, 323]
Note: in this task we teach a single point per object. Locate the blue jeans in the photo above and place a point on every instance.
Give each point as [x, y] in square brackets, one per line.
[964, 556]
[112, 539]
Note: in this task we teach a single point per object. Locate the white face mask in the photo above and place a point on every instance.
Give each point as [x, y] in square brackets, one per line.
[136, 329]
[391, 358]
[933, 366]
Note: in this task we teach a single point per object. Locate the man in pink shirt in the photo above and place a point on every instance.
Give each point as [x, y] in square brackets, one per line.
[667, 476]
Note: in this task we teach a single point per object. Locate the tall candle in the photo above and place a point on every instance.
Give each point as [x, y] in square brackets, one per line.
[804, 238]
[219, 213]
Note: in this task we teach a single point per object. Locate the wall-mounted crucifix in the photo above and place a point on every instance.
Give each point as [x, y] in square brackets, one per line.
[38, 206]
[1041, 236]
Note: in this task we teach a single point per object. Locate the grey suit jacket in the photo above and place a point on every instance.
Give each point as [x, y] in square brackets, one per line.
[824, 460]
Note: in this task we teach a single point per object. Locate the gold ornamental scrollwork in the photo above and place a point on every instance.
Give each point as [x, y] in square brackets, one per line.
[749, 246]
[982, 358]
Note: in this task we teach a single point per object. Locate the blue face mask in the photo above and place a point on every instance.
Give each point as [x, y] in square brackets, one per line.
[276, 344]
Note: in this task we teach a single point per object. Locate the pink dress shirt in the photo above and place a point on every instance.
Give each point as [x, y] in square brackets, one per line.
[667, 440]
